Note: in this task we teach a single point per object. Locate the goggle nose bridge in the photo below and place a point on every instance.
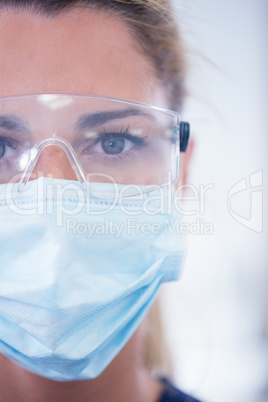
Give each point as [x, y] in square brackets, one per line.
[36, 152]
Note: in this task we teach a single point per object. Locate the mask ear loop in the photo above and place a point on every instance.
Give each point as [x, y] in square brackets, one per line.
[36, 151]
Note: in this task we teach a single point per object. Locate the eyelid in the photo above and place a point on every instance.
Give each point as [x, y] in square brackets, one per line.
[19, 138]
[15, 140]
[7, 140]
[99, 134]
[141, 141]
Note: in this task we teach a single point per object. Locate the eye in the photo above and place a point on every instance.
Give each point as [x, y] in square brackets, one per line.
[7, 148]
[112, 144]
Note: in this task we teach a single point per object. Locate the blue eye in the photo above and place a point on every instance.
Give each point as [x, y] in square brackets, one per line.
[116, 142]
[113, 145]
[7, 148]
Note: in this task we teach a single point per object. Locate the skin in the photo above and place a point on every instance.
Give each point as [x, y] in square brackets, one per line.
[63, 55]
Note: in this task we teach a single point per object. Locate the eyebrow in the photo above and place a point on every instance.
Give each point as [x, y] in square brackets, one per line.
[13, 123]
[86, 121]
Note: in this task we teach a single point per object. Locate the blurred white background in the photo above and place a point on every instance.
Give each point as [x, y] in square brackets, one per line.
[217, 315]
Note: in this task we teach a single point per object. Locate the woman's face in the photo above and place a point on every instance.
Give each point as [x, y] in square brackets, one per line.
[81, 51]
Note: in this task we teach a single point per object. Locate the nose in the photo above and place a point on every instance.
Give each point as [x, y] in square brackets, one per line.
[53, 162]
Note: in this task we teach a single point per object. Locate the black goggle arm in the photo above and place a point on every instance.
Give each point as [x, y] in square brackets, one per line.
[184, 132]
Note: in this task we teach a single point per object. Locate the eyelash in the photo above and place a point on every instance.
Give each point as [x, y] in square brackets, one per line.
[8, 142]
[123, 133]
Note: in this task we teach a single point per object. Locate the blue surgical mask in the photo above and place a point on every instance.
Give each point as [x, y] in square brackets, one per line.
[78, 276]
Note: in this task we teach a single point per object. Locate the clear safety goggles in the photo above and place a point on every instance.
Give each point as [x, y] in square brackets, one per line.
[105, 140]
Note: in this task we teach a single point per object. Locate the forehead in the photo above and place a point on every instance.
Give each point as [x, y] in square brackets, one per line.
[81, 51]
